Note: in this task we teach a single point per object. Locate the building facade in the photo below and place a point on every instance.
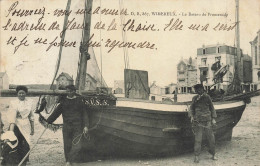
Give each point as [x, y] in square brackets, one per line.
[247, 72]
[163, 94]
[91, 83]
[155, 92]
[119, 87]
[170, 89]
[186, 75]
[4, 81]
[211, 59]
[255, 53]
[63, 80]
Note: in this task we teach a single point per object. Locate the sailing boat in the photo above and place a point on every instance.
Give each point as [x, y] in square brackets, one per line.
[141, 127]
[136, 127]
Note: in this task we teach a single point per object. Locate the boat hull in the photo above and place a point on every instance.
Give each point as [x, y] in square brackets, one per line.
[135, 128]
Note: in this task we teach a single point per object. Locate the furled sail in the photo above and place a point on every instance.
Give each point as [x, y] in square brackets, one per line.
[94, 76]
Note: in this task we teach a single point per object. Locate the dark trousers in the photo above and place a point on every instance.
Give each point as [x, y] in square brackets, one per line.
[199, 129]
[72, 146]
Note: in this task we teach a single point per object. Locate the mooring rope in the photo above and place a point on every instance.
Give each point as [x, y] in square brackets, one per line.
[86, 136]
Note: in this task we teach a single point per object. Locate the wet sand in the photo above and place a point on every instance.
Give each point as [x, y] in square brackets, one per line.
[242, 150]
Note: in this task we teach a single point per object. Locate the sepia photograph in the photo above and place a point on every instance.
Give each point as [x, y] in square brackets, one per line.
[129, 82]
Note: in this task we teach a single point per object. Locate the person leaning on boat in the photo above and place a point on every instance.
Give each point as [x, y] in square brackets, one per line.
[75, 122]
[203, 117]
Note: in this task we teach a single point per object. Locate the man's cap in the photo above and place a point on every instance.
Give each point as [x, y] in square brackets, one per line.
[71, 87]
[197, 86]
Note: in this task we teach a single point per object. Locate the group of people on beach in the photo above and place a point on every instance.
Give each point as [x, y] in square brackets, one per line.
[16, 141]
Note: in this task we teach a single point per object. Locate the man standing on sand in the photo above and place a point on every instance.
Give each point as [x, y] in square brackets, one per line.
[75, 122]
[203, 117]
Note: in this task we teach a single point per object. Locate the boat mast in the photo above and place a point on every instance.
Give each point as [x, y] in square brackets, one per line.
[84, 55]
[238, 60]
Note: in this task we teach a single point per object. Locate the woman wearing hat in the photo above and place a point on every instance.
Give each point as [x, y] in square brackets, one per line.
[21, 113]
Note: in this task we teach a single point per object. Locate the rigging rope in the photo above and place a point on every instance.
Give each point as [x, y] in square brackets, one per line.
[62, 41]
[100, 48]
[125, 49]
[122, 34]
[41, 118]
[146, 90]
[125, 36]
[55, 127]
[82, 35]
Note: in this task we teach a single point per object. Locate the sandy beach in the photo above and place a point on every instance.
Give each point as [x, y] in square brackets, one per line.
[243, 149]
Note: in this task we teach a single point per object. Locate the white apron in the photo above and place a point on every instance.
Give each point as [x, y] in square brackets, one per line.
[20, 113]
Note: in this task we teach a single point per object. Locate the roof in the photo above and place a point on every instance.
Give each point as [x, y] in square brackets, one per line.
[153, 85]
[213, 45]
[256, 38]
[186, 61]
[171, 84]
[217, 45]
[247, 57]
[66, 75]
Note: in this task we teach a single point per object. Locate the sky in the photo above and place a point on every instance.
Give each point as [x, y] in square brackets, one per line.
[32, 64]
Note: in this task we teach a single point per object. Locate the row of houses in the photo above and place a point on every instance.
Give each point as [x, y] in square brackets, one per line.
[209, 62]
[255, 53]
[156, 92]
[65, 79]
[210, 59]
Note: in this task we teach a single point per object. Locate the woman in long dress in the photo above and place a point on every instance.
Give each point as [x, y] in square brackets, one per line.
[21, 114]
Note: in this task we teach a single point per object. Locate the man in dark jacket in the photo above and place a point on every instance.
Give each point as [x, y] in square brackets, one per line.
[75, 118]
[203, 117]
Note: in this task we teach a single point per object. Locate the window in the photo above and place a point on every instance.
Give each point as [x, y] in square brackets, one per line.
[203, 61]
[255, 55]
[205, 72]
[218, 49]
[181, 80]
[204, 51]
[181, 67]
[218, 58]
[181, 72]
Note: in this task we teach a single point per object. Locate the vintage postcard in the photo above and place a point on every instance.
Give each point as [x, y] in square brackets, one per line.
[139, 60]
